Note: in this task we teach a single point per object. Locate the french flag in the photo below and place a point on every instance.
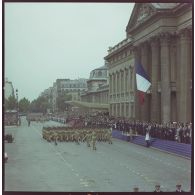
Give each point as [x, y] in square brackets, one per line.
[142, 81]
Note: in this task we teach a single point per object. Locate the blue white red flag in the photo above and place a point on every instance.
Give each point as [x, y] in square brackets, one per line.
[142, 79]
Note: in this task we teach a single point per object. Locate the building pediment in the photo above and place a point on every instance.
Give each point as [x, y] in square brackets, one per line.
[140, 13]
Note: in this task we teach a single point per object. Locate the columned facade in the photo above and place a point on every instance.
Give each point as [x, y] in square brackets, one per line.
[165, 78]
[121, 94]
[170, 92]
[160, 39]
[184, 89]
[155, 63]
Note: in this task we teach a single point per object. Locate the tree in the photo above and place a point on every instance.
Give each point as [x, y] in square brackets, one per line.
[11, 103]
[61, 101]
[40, 104]
[24, 105]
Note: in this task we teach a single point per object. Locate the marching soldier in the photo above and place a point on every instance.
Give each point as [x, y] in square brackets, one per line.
[87, 138]
[77, 137]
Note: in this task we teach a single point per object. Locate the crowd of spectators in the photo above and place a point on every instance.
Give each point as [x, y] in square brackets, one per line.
[180, 132]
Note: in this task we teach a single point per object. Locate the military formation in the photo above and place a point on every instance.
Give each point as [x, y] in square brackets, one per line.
[77, 135]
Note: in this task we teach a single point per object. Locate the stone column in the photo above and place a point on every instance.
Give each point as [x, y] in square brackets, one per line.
[116, 109]
[109, 95]
[116, 84]
[120, 109]
[119, 83]
[128, 80]
[155, 111]
[185, 77]
[112, 85]
[145, 116]
[110, 79]
[124, 110]
[129, 110]
[165, 79]
[136, 53]
[124, 82]
[110, 109]
[178, 78]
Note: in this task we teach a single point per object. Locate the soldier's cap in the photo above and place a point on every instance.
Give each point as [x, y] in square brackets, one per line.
[178, 184]
[157, 185]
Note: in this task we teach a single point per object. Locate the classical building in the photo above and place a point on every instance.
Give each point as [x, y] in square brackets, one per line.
[8, 89]
[159, 36]
[97, 86]
[95, 98]
[67, 86]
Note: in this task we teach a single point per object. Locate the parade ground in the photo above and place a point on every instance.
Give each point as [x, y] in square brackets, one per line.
[37, 165]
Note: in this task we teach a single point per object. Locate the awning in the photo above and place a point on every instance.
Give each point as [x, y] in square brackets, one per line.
[88, 105]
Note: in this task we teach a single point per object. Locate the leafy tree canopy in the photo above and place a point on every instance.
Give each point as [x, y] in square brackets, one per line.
[11, 103]
[24, 105]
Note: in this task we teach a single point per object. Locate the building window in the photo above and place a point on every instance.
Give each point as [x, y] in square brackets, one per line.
[99, 73]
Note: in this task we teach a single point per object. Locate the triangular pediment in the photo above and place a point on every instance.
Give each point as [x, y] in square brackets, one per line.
[141, 12]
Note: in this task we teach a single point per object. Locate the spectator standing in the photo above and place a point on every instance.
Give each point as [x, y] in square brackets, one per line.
[157, 188]
[178, 187]
[178, 134]
[147, 138]
[135, 189]
[29, 122]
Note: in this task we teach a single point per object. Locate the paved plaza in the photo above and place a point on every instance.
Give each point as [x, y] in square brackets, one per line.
[37, 165]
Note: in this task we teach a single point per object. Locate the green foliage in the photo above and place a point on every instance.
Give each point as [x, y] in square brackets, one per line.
[41, 104]
[11, 103]
[24, 105]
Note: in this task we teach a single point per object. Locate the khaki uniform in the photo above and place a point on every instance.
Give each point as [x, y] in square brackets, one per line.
[93, 140]
[55, 137]
[109, 136]
[88, 138]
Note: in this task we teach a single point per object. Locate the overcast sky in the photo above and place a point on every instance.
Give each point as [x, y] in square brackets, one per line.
[47, 41]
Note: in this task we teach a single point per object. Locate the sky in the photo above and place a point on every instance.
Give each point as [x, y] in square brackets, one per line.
[49, 41]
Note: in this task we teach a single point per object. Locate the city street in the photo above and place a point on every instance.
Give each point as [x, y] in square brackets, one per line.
[37, 165]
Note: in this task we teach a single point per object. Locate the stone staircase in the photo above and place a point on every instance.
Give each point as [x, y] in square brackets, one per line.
[174, 147]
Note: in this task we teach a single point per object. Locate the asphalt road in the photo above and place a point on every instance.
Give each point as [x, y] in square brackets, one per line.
[37, 165]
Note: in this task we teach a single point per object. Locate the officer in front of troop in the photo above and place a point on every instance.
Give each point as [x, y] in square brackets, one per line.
[55, 138]
[93, 138]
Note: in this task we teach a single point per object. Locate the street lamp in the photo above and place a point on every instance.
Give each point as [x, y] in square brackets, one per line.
[17, 106]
